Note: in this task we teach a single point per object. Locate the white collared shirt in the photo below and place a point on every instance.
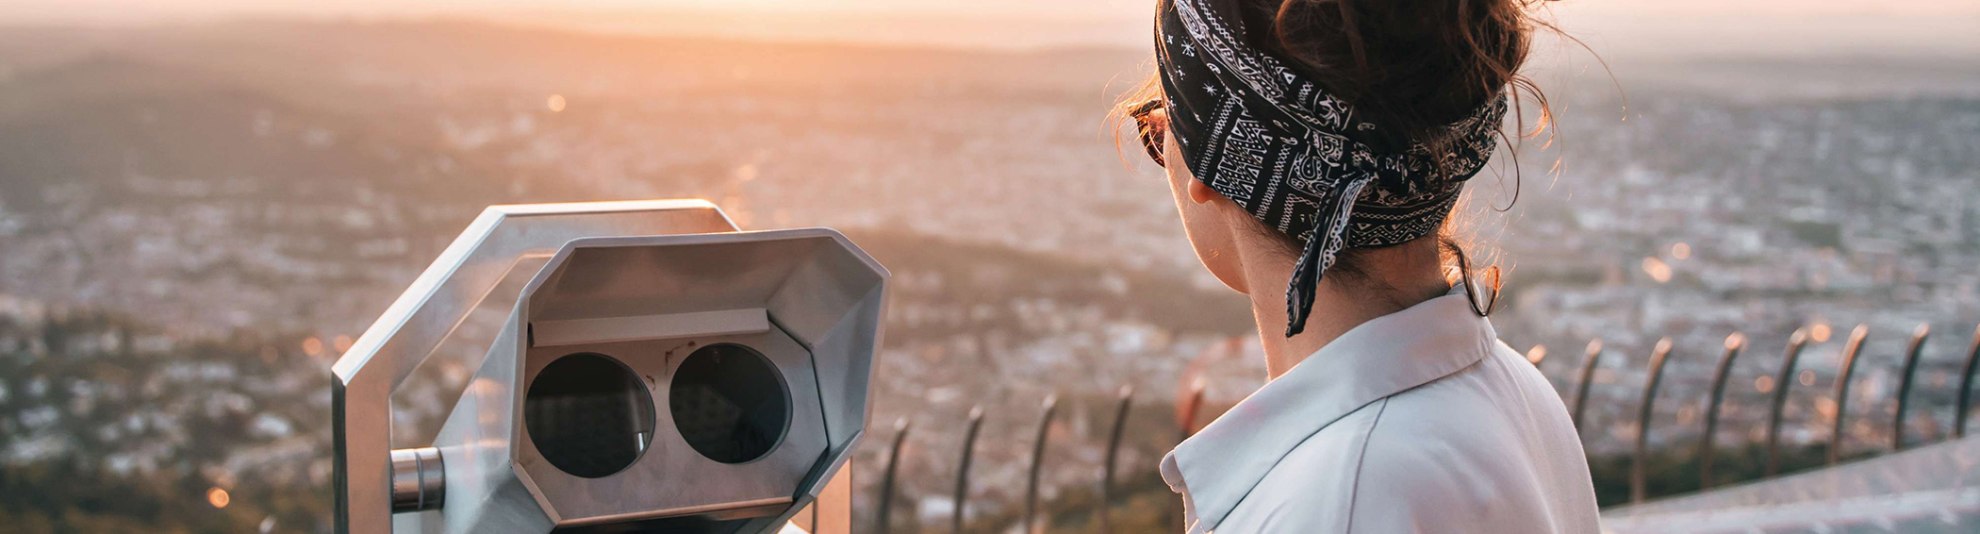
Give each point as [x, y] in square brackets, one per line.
[1417, 421]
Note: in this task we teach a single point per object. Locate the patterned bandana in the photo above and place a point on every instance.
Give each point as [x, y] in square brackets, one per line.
[1269, 138]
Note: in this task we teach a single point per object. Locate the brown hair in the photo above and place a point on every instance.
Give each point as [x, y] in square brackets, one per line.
[1408, 66]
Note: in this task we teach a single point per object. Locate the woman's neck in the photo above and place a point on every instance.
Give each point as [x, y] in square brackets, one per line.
[1388, 280]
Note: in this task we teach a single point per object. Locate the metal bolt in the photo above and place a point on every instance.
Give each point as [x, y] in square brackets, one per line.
[419, 480]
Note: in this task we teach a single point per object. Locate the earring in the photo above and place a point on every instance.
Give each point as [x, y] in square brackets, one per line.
[1492, 292]
[1471, 289]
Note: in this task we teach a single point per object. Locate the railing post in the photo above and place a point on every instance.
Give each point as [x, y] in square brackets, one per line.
[1186, 427]
[1038, 463]
[1850, 351]
[1186, 416]
[1782, 383]
[962, 467]
[901, 427]
[1966, 385]
[1734, 343]
[1113, 451]
[1588, 364]
[1639, 468]
[1911, 354]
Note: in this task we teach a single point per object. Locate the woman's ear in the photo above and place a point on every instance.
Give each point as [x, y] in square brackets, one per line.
[1201, 193]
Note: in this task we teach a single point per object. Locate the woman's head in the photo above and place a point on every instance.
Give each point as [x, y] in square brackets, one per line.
[1412, 72]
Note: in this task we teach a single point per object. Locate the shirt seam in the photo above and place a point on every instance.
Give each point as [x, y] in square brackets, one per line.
[1309, 437]
[1361, 459]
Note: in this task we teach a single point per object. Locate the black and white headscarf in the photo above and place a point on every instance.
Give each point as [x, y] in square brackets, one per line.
[1271, 139]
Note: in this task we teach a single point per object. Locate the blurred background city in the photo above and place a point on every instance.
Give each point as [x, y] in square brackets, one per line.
[202, 204]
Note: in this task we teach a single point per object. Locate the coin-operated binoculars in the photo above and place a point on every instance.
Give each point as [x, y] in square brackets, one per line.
[658, 370]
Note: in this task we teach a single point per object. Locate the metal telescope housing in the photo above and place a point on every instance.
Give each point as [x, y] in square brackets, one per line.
[657, 370]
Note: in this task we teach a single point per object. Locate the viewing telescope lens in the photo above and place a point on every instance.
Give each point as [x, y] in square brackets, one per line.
[730, 403]
[589, 415]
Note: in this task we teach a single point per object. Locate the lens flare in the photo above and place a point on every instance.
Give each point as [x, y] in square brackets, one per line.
[1657, 269]
[218, 497]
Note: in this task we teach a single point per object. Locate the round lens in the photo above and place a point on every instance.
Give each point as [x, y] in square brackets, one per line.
[730, 403]
[588, 415]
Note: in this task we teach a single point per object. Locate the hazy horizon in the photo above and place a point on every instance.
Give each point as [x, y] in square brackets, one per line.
[1632, 28]
[203, 203]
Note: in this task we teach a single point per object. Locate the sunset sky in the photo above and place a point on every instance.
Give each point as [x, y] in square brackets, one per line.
[1941, 27]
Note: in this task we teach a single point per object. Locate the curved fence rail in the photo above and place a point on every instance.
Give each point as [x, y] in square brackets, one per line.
[962, 467]
[1113, 450]
[1639, 465]
[1189, 406]
[1588, 365]
[1911, 354]
[1734, 343]
[1966, 385]
[1782, 383]
[1038, 462]
[1850, 351]
[901, 428]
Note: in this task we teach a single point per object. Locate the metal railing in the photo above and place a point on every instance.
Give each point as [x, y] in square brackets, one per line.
[1639, 464]
[1850, 351]
[1782, 383]
[1734, 343]
[1189, 406]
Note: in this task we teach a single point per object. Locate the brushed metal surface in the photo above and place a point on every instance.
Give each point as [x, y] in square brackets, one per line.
[818, 289]
[436, 302]
[613, 268]
[418, 479]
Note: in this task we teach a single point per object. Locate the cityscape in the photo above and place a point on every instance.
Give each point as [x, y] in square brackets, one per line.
[197, 219]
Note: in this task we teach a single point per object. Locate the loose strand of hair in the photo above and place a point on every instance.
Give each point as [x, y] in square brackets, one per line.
[1118, 117]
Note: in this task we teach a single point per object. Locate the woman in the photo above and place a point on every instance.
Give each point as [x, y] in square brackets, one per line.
[1315, 149]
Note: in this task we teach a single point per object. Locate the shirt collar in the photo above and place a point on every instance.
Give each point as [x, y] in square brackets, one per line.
[1379, 358]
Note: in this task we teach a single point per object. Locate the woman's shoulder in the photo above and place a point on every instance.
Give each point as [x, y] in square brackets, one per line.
[1480, 447]
[1495, 415]
[1390, 463]
[1411, 434]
